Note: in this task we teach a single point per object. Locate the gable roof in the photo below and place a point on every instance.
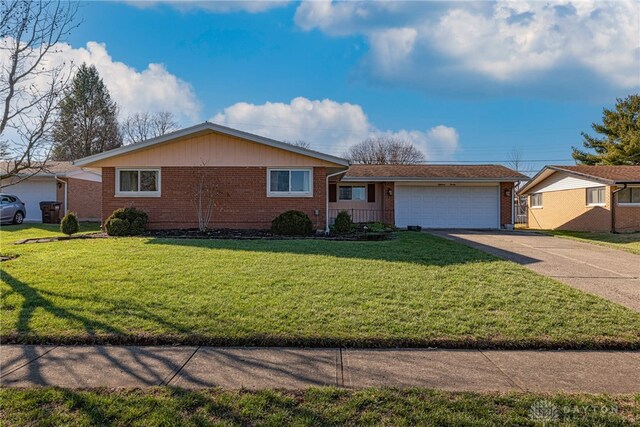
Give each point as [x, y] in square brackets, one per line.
[432, 173]
[52, 168]
[207, 126]
[604, 174]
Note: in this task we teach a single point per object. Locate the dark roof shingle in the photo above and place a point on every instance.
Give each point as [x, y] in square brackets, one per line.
[619, 173]
[436, 172]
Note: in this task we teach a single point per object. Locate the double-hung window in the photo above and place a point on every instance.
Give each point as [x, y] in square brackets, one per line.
[629, 196]
[138, 182]
[289, 182]
[536, 200]
[356, 193]
[596, 196]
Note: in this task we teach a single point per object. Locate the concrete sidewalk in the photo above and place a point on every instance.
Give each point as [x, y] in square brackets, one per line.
[296, 368]
[608, 273]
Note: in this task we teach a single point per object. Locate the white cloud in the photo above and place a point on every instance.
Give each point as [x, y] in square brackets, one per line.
[215, 6]
[328, 126]
[504, 42]
[152, 89]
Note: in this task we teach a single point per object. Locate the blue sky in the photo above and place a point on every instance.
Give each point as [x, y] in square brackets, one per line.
[464, 81]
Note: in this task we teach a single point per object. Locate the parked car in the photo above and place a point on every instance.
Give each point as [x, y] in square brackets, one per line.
[12, 209]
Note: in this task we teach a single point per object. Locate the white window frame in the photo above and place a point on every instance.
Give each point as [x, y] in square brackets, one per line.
[366, 194]
[541, 201]
[119, 193]
[289, 193]
[628, 204]
[604, 190]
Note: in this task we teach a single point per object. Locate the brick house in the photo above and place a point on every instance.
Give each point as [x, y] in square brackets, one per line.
[78, 190]
[584, 198]
[255, 179]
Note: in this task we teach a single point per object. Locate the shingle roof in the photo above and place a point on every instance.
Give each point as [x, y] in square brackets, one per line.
[434, 172]
[51, 168]
[610, 173]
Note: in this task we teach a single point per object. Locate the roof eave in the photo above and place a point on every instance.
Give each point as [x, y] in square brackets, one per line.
[214, 128]
[427, 179]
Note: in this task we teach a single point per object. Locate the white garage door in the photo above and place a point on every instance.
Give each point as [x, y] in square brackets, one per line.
[447, 207]
[32, 192]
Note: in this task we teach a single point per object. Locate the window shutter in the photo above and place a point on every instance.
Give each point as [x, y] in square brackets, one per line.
[371, 193]
[332, 192]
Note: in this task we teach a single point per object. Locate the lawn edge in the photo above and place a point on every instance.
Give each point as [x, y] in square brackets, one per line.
[463, 343]
[591, 242]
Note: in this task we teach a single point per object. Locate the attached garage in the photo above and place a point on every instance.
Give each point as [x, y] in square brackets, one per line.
[447, 206]
[32, 192]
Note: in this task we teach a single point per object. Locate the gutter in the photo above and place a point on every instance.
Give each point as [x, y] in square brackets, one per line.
[66, 206]
[326, 189]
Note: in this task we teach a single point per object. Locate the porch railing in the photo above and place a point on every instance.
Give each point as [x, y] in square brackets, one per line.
[364, 215]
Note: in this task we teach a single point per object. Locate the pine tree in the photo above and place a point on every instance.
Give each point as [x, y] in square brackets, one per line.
[620, 144]
[88, 122]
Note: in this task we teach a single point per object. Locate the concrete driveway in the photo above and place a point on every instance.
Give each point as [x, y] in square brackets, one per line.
[609, 273]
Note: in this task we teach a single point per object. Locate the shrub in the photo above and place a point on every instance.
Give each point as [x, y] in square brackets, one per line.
[69, 224]
[126, 222]
[117, 227]
[343, 223]
[292, 223]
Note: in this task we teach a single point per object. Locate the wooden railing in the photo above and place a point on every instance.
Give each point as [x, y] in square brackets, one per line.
[364, 215]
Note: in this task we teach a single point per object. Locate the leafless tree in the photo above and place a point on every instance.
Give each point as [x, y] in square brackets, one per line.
[30, 84]
[300, 143]
[142, 126]
[204, 198]
[384, 150]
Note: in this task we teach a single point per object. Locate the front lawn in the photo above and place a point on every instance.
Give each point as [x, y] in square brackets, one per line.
[312, 407]
[629, 242]
[414, 290]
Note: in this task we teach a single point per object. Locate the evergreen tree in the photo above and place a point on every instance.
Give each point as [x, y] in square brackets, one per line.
[88, 122]
[620, 130]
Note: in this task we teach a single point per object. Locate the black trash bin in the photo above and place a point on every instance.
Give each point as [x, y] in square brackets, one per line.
[50, 212]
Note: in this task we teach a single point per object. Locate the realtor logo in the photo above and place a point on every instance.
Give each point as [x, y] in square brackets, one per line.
[544, 411]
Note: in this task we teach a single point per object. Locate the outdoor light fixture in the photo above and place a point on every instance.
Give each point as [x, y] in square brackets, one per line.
[390, 192]
[507, 192]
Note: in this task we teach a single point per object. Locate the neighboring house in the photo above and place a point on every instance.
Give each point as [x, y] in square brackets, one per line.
[254, 179]
[584, 198]
[78, 189]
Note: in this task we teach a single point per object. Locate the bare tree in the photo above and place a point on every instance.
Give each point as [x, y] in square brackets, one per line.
[384, 150]
[139, 127]
[30, 85]
[204, 198]
[300, 143]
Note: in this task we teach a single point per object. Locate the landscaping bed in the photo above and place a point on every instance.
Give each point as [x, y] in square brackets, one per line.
[312, 407]
[249, 234]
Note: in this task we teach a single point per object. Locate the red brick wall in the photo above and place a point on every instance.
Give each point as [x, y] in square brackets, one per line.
[506, 203]
[84, 198]
[241, 200]
[388, 202]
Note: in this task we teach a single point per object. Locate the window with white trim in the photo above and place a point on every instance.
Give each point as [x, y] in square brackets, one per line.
[596, 196]
[536, 200]
[629, 196]
[138, 182]
[289, 182]
[355, 193]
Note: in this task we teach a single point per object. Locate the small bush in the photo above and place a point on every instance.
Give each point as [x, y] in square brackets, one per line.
[343, 223]
[292, 223]
[126, 222]
[69, 224]
[117, 227]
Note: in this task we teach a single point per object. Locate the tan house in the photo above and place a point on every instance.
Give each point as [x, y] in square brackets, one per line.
[255, 179]
[584, 198]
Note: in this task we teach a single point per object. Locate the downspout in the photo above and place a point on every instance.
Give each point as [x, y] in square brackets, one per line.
[613, 207]
[66, 206]
[326, 216]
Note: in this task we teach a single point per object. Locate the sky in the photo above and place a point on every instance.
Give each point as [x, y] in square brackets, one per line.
[463, 81]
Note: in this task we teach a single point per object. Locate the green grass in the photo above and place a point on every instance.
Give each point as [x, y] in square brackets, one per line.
[312, 407]
[629, 242]
[414, 290]
[12, 233]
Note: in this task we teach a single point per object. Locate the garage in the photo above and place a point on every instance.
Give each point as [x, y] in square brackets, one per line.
[447, 206]
[32, 192]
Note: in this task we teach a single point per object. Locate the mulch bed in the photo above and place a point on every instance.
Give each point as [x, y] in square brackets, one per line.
[238, 234]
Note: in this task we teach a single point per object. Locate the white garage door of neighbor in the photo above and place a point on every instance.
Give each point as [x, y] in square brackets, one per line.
[447, 207]
[32, 192]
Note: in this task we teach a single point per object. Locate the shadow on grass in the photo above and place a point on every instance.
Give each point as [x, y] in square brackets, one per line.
[409, 247]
